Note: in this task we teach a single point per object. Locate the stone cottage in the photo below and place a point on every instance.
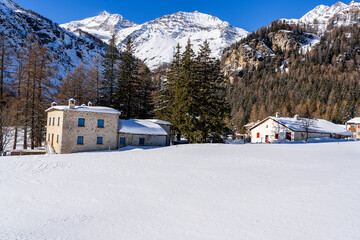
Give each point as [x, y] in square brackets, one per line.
[72, 128]
[148, 132]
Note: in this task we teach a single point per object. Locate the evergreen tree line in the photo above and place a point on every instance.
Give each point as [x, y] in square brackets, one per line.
[193, 97]
[323, 83]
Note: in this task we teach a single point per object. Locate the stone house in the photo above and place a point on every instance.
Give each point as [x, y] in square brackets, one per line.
[84, 128]
[353, 125]
[276, 129]
[81, 128]
[144, 132]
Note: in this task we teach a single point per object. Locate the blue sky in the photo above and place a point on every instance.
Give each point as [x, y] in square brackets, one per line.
[249, 15]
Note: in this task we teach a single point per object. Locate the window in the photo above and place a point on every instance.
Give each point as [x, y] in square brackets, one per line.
[81, 122]
[141, 141]
[80, 140]
[53, 121]
[49, 121]
[122, 141]
[276, 136]
[49, 137]
[99, 140]
[58, 121]
[100, 123]
[258, 135]
[57, 138]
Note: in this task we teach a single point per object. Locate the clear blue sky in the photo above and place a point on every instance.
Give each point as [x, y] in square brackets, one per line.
[249, 15]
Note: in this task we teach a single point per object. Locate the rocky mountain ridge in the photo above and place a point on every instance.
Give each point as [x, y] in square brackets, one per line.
[155, 41]
[67, 48]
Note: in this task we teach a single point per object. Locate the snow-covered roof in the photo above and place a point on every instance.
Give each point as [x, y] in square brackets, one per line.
[140, 126]
[157, 121]
[316, 126]
[94, 109]
[354, 120]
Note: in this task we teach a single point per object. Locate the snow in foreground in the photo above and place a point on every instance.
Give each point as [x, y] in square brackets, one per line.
[305, 191]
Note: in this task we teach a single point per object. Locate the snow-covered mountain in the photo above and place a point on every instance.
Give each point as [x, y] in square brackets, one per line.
[68, 49]
[102, 26]
[323, 18]
[155, 41]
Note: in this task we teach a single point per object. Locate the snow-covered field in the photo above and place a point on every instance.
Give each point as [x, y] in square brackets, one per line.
[289, 191]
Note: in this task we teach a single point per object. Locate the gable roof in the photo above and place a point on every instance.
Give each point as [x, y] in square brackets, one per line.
[317, 126]
[354, 120]
[140, 126]
[94, 109]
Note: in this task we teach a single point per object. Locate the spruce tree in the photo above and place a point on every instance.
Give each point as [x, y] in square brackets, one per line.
[128, 83]
[109, 74]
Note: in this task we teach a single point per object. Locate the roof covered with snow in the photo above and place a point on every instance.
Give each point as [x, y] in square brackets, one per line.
[157, 121]
[143, 127]
[94, 109]
[315, 125]
[354, 120]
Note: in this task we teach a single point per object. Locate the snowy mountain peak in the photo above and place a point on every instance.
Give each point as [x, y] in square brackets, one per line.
[101, 26]
[155, 41]
[323, 18]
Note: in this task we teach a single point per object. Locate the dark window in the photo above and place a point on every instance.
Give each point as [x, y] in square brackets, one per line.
[58, 121]
[141, 141]
[276, 136]
[50, 121]
[57, 138]
[53, 121]
[99, 140]
[49, 137]
[122, 141]
[100, 123]
[80, 140]
[81, 122]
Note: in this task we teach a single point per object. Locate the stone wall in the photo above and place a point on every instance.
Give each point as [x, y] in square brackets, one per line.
[150, 140]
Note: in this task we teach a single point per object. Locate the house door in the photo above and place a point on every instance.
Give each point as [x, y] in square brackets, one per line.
[267, 138]
[52, 140]
[288, 136]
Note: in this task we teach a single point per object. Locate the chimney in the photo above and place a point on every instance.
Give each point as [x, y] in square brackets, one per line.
[72, 103]
[277, 115]
[90, 104]
[297, 117]
[53, 104]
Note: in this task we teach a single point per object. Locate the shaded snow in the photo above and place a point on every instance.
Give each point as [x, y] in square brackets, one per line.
[282, 192]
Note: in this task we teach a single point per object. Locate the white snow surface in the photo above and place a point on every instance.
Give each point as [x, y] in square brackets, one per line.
[339, 14]
[155, 41]
[141, 126]
[317, 125]
[94, 109]
[280, 192]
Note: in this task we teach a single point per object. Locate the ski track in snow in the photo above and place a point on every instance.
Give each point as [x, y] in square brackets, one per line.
[284, 191]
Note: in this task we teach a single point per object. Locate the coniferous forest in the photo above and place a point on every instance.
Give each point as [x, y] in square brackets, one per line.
[321, 83]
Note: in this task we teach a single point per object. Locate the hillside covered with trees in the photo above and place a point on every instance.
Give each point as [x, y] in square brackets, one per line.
[319, 80]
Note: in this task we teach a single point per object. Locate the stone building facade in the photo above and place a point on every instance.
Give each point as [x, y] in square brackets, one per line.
[81, 128]
[84, 128]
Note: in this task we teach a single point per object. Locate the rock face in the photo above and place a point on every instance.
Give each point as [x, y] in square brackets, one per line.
[68, 49]
[252, 52]
[155, 41]
[324, 18]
